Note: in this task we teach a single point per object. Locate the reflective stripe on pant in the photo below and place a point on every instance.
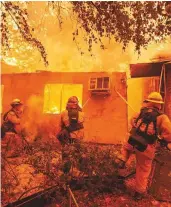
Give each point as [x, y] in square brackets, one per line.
[143, 165]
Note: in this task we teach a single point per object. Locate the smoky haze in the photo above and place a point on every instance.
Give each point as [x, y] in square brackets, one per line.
[63, 53]
[36, 124]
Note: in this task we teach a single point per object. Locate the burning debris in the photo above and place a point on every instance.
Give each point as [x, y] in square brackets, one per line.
[41, 166]
[93, 176]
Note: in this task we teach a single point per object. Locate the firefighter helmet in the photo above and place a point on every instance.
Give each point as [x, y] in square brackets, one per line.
[72, 103]
[15, 102]
[73, 99]
[155, 97]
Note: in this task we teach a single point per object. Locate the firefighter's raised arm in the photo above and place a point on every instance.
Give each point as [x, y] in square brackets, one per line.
[13, 118]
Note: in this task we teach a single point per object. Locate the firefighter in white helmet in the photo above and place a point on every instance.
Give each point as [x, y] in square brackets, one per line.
[147, 126]
[11, 125]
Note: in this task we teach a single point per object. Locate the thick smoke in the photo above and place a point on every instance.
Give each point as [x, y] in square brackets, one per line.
[64, 54]
[36, 124]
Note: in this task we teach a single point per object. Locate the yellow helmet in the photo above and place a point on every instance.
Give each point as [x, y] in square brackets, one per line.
[15, 102]
[155, 97]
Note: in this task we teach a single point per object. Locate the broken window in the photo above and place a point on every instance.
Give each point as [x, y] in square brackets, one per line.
[56, 96]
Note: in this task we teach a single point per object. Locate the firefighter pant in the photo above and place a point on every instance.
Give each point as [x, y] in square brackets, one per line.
[11, 143]
[143, 165]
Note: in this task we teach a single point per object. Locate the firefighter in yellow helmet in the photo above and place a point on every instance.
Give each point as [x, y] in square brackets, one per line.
[11, 125]
[72, 119]
[72, 131]
[147, 126]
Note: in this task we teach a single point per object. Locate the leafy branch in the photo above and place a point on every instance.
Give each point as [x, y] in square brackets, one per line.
[19, 16]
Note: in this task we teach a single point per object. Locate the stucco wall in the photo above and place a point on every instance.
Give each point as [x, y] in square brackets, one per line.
[138, 90]
[106, 116]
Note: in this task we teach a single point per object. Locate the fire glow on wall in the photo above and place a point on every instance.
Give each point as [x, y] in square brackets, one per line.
[56, 96]
[1, 97]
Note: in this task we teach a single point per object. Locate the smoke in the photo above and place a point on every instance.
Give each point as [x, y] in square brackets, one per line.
[36, 124]
[64, 55]
[154, 52]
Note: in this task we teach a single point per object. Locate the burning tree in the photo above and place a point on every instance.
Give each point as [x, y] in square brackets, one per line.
[137, 22]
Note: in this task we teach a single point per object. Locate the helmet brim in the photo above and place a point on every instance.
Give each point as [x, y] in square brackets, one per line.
[16, 104]
[154, 101]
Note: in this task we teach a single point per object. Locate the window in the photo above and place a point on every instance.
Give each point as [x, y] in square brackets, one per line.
[56, 96]
[52, 98]
[1, 96]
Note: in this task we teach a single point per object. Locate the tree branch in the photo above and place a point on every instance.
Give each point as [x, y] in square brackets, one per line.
[97, 8]
[11, 16]
[26, 34]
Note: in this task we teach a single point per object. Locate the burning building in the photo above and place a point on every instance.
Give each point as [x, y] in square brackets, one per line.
[105, 111]
[108, 99]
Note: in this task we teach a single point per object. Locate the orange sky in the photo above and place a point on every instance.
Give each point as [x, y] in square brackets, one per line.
[63, 54]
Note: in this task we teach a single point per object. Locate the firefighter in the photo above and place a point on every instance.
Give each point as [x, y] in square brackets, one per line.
[72, 119]
[147, 126]
[11, 126]
[72, 132]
